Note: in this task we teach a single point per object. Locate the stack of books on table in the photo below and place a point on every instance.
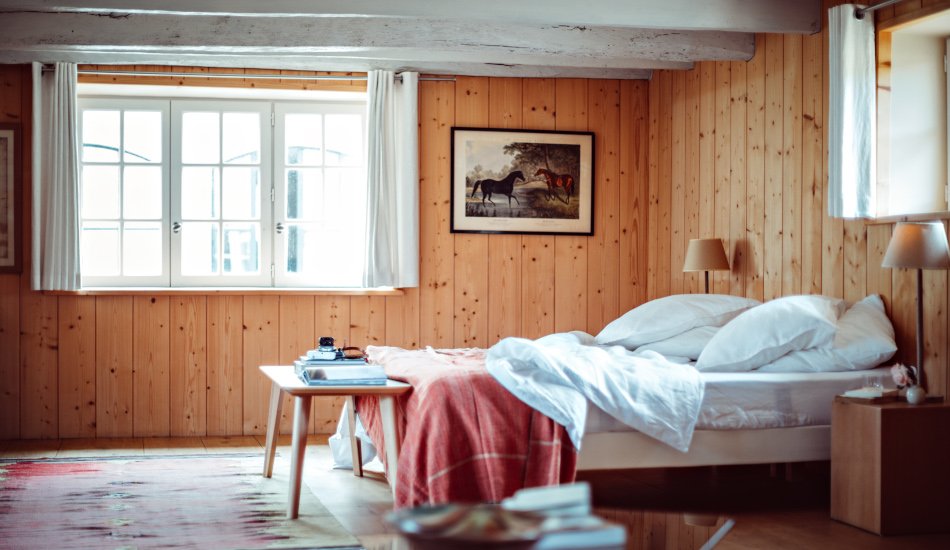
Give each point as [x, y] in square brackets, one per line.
[339, 372]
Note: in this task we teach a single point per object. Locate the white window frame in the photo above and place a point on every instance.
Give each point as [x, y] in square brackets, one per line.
[283, 278]
[263, 108]
[122, 105]
[273, 247]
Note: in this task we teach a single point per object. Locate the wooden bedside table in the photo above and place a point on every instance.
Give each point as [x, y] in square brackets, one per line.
[889, 471]
[284, 380]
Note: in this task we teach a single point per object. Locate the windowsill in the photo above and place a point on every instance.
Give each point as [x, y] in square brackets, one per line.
[237, 291]
[924, 217]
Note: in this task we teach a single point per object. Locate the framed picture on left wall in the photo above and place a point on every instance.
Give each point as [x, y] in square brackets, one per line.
[10, 174]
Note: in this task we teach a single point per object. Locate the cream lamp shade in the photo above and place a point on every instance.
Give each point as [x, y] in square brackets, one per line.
[918, 246]
[706, 255]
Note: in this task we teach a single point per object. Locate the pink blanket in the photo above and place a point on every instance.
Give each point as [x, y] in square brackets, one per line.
[464, 438]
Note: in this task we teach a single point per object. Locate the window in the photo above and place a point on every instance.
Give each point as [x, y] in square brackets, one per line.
[912, 146]
[222, 193]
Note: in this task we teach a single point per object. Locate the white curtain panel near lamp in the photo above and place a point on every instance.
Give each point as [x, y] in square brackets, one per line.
[851, 113]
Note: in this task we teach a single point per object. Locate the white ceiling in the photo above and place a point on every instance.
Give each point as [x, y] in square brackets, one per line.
[556, 38]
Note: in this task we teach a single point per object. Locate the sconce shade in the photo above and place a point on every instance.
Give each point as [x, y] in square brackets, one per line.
[705, 255]
[919, 246]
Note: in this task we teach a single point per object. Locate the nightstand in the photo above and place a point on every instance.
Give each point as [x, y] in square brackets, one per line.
[889, 472]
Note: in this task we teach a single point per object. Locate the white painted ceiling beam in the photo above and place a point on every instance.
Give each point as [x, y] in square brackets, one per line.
[385, 38]
[322, 63]
[597, 39]
[782, 16]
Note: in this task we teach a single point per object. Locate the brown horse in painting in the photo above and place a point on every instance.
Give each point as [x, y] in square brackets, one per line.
[557, 180]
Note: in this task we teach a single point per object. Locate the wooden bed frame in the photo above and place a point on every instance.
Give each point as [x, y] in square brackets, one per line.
[630, 450]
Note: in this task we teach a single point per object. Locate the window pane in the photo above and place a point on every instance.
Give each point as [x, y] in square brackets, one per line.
[100, 136]
[199, 248]
[100, 248]
[200, 138]
[303, 249]
[242, 248]
[100, 192]
[143, 136]
[344, 186]
[344, 140]
[142, 248]
[242, 138]
[142, 198]
[305, 194]
[303, 139]
[309, 246]
[241, 196]
[199, 193]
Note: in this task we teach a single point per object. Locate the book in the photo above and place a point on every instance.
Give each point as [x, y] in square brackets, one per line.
[327, 355]
[871, 395]
[355, 382]
[340, 375]
[597, 533]
[332, 362]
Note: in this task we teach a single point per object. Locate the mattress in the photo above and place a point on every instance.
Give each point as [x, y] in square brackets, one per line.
[755, 400]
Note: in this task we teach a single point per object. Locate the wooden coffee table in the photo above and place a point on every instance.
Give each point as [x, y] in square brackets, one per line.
[283, 380]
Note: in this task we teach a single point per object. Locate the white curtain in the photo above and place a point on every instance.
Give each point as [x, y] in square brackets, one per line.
[851, 114]
[55, 179]
[392, 221]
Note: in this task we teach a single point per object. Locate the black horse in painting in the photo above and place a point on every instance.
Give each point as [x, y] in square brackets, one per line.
[502, 187]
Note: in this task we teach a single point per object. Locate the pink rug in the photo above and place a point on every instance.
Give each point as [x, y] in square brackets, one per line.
[202, 501]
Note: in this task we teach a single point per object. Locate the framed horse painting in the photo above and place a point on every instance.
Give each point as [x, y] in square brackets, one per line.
[10, 197]
[522, 181]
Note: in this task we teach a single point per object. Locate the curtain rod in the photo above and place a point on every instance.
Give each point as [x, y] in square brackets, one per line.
[861, 12]
[237, 75]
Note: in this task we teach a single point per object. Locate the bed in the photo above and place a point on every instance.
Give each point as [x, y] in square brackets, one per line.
[686, 380]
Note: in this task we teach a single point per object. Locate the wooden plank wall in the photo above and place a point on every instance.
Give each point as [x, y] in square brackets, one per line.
[730, 149]
[165, 365]
[758, 155]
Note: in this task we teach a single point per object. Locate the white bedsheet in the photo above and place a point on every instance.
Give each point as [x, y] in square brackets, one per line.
[755, 400]
[558, 374]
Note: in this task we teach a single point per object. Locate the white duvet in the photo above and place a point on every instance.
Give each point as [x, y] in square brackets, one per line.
[558, 374]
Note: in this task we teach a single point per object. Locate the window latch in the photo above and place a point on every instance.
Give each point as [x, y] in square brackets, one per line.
[176, 227]
[279, 228]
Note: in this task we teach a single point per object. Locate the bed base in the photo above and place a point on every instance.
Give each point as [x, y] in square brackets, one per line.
[630, 450]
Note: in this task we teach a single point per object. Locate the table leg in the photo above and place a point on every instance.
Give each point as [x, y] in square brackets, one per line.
[387, 413]
[301, 416]
[356, 450]
[273, 428]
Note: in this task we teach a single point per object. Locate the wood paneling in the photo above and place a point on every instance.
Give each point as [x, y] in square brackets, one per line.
[733, 150]
[114, 366]
[188, 366]
[225, 343]
[150, 361]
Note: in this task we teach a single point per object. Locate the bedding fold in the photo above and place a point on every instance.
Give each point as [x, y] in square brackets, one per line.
[558, 374]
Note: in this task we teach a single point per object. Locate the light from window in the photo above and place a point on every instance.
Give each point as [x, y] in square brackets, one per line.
[186, 192]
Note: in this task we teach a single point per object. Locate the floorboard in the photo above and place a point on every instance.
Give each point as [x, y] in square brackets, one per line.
[774, 508]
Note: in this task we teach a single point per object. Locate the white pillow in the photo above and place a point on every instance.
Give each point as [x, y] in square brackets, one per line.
[689, 344]
[766, 332]
[865, 336]
[864, 340]
[672, 315]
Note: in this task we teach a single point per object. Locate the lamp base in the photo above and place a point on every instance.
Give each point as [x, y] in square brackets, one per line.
[916, 395]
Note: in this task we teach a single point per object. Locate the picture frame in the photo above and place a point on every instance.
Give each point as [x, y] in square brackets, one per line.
[10, 199]
[522, 181]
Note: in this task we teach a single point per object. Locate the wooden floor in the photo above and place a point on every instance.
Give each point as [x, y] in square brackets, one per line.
[769, 510]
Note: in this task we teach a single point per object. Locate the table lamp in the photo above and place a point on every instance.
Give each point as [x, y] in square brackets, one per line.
[706, 255]
[920, 246]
